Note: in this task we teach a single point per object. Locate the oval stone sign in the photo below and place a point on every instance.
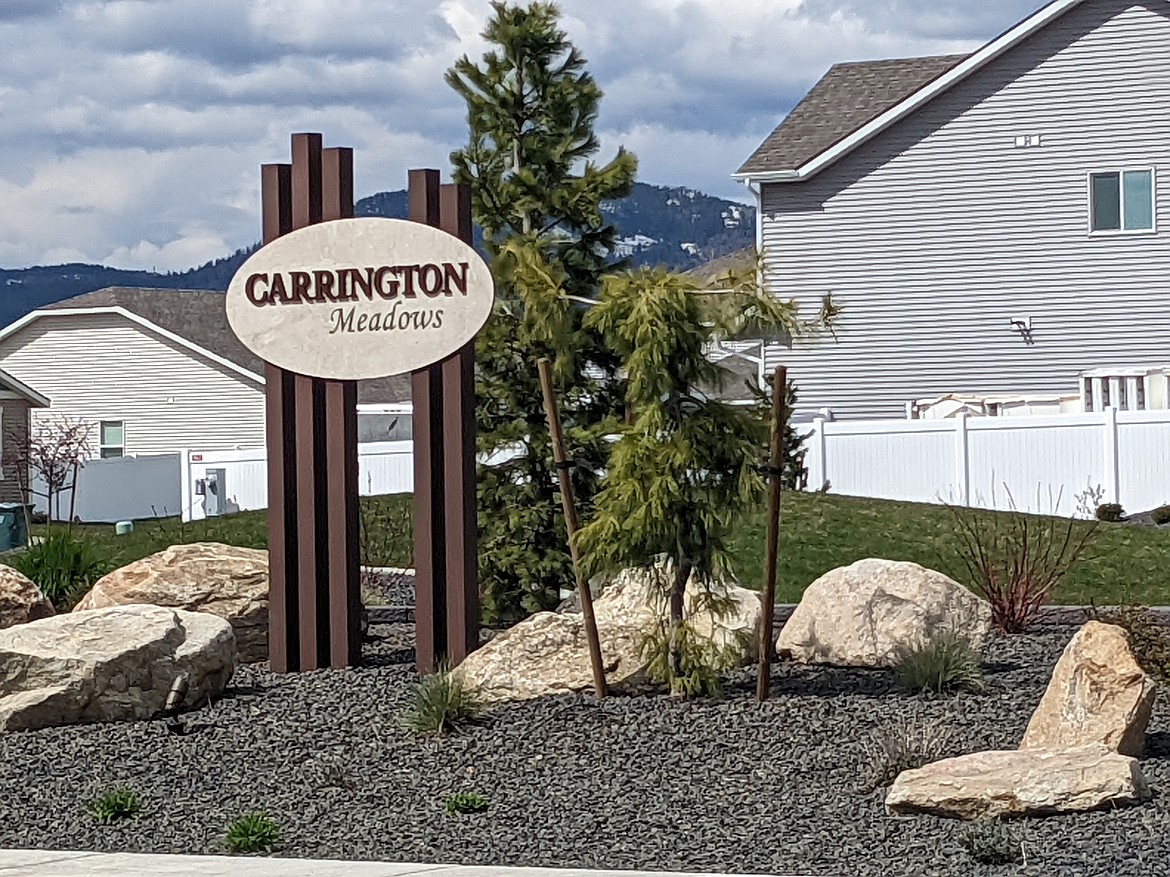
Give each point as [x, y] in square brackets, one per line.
[360, 298]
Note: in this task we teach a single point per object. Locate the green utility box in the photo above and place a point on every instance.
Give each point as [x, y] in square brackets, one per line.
[13, 526]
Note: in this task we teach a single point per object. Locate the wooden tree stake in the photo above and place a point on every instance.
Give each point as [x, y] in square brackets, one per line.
[571, 524]
[775, 485]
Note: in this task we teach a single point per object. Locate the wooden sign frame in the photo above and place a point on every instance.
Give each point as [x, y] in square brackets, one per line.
[314, 519]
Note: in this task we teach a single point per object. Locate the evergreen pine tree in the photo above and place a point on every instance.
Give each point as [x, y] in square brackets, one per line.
[538, 196]
[687, 465]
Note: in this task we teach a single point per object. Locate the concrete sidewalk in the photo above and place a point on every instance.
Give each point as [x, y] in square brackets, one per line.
[33, 863]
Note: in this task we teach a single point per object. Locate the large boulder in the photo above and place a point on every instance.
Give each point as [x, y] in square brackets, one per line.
[859, 615]
[1098, 694]
[548, 654]
[1035, 782]
[20, 600]
[203, 577]
[722, 612]
[109, 665]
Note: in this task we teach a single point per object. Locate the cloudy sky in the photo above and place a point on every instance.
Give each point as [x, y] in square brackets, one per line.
[131, 130]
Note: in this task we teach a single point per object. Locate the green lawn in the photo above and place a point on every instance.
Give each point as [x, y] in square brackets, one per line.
[819, 532]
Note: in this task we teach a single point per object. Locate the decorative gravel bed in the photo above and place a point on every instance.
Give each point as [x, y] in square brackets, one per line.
[631, 783]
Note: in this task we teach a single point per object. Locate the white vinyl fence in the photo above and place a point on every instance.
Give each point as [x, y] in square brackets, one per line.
[1058, 464]
[160, 485]
[118, 489]
[242, 476]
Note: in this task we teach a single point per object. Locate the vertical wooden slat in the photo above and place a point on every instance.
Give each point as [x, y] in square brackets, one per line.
[306, 180]
[341, 462]
[283, 648]
[309, 408]
[306, 520]
[458, 400]
[423, 205]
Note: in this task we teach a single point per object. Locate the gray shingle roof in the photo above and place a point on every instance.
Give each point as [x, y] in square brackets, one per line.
[198, 316]
[847, 98]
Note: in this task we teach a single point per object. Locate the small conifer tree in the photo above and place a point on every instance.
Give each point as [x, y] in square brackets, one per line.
[687, 465]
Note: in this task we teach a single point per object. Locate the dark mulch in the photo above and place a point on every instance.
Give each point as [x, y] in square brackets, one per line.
[634, 782]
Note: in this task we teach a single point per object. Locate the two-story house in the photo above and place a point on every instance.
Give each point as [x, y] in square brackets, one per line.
[992, 223]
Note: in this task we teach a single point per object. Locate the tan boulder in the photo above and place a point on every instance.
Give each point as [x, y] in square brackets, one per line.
[547, 654]
[1035, 782]
[859, 615]
[1098, 694]
[109, 665]
[722, 611]
[202, 577]
[20, 600]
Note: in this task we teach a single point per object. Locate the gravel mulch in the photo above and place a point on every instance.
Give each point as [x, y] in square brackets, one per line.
[631, 783]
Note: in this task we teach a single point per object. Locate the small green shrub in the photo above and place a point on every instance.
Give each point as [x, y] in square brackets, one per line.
[442, 703]
[387, 534]
[253, 833]
[1161, 515]
[63, 566]
[115, 804]
[466, 802]
[944, 664]
[1148, 635]
[1110, 512]
[903, 746]
[992, 842]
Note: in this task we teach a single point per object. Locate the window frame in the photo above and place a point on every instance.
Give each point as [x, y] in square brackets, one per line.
[1121, 172]
[102, 446]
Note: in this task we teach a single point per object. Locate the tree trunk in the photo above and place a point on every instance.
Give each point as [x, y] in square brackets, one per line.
[678, 591]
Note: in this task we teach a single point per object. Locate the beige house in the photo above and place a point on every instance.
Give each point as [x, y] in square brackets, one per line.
[159, 370]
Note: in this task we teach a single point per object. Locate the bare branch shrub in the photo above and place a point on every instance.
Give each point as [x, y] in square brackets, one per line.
[53, 452]
[1015, 561]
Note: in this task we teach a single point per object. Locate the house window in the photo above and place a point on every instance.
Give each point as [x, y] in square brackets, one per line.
[112, 439]
[1122, 201]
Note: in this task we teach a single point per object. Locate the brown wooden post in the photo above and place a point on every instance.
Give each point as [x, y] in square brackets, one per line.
[459, 507]
[569, 506]
[772, 546]
[314, 602]
[430, 557]
[446, 586]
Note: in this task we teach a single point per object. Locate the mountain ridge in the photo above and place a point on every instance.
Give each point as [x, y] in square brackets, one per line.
[676, 227]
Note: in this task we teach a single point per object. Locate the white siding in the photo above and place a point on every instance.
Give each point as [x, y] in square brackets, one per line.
[106, 367]
[937, 232]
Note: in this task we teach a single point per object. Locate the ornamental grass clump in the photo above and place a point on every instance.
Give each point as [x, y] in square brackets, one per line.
[63, 566]
[906, 745]
[115, 805]
[1015, 561]
[944, 664]
[252, 833]
[443, 702]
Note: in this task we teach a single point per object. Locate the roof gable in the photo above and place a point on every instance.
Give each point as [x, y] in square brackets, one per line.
[785, 161]
[844, 100]
[196, 319]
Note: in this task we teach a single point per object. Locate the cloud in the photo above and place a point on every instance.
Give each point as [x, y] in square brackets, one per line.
[132, 130]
